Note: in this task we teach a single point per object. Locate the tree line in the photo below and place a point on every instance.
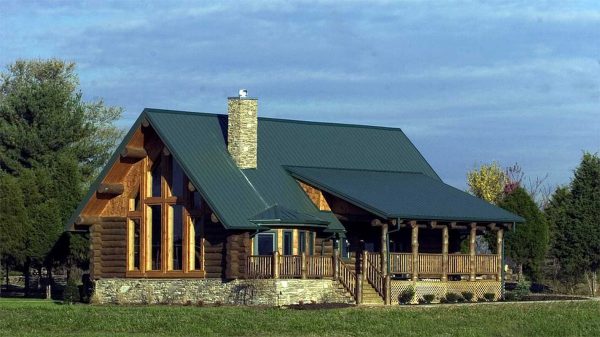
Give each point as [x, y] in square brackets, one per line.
[52, 143]
[559, 243]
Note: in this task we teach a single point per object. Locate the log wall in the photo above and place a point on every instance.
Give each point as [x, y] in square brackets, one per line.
[108, 246]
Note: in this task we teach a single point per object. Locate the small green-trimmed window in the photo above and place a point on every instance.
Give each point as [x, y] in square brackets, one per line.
[288, 239]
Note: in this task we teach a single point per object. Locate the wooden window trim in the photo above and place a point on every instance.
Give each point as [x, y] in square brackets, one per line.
[165, 201]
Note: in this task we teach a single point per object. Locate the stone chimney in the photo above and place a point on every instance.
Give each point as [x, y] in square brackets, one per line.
[242, 124]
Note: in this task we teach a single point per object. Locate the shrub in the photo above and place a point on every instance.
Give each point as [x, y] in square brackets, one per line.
[406, 296]
[454, 297]
[428, 298]
[510, 296]
[467, 295]
[443, 300]
[522, 289]
[489, 296]
[71, 292]
[200, 303]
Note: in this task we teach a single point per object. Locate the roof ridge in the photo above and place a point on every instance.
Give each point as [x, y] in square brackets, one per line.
[276, 120]
[351, 169]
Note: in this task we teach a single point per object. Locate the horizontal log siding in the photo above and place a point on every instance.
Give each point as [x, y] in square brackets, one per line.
[237, 252]
[215, 242]
[108, 246]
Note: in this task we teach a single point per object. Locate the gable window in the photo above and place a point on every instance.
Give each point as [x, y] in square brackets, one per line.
[165, 222]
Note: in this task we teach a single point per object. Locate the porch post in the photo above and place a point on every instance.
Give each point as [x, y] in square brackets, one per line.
[499, 245]
[303, 265]
[384, 263]
[275, 265]
[336, 268]
[444, 253]
[384, 248]
[415, 250]
[472, 238]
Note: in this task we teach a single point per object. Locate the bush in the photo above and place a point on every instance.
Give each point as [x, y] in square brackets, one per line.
[467, 295]
[454, 297]
[71, 292]
[522, 289]
[443, 300]
[489, 296]
[510, 296]
[428, 298]
[406, 296]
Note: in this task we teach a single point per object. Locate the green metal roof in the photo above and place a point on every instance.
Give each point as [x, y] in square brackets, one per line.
[407, 195]
[276, 215]
[198, 141]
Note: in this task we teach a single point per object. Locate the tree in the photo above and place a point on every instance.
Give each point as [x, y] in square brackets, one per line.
[527, 244]
[574, 214]
[53, 143]
[487, 182]
[14, 223]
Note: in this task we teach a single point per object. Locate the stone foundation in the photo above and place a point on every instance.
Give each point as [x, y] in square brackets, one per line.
[214, 291]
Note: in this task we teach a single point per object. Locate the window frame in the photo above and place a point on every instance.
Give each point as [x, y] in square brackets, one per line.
[167, 202]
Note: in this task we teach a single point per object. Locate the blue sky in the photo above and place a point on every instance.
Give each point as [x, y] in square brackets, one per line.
[469, 82]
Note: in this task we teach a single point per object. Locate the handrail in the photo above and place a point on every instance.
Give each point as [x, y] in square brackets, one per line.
[319, 266]
[486, 264]
[458, 264]
[401, 263]
[259, 266]
[290, 266]
[430, 263]
[347, 277]
[374, 274]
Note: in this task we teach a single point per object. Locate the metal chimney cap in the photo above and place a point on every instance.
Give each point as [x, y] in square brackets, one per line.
[243, 93]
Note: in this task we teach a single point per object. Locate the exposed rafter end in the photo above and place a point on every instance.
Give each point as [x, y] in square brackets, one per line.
[134, 152]
[453, 225]
[113, 189]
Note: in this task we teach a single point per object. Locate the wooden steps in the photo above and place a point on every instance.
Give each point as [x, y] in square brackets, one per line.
[370, 295]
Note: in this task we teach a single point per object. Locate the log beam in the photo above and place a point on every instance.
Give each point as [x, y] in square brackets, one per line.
[415, 250]
[90, 220]
[108, 188]
[134, 152]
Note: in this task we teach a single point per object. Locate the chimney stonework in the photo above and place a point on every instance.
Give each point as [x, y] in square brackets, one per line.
[242, 129]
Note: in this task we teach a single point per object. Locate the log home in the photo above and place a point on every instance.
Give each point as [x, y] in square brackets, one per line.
[240, 209]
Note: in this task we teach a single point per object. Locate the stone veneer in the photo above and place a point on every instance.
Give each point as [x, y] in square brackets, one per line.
[242, 125]
[214, 291]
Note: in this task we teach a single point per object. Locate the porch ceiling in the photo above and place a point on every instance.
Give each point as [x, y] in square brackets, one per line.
[406, 195]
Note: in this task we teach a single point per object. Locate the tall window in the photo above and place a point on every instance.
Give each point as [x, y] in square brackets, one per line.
[165, 228]
[288, 238]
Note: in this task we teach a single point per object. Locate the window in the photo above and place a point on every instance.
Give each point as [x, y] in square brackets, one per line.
[154, 180]
[344, 248]
[176, 180]
[165, 227]
[265, 243]
[155, 236]
[195, 233]
[176, 237]
[288, 242]
[302, 242]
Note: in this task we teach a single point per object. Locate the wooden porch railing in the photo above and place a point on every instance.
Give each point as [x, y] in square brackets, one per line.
[486, 264]
[319, 266]
[401, 263]
[260, 266]
[290, 266]
[458, 264]
[430, 264]
[347, 278]
[373, 272]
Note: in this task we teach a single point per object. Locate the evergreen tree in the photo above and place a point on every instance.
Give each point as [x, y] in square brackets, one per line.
[527, 244]
[574, 214]
[53, 142]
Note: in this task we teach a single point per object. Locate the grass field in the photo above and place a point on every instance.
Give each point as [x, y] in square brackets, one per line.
[39, 318]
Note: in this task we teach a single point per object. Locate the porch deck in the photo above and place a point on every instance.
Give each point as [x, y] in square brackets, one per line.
[426, 273]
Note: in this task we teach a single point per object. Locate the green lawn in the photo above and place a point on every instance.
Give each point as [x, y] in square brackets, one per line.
[39, 318]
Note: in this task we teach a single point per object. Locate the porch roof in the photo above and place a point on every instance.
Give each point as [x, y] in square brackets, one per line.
[406, 195]
[277, 215]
